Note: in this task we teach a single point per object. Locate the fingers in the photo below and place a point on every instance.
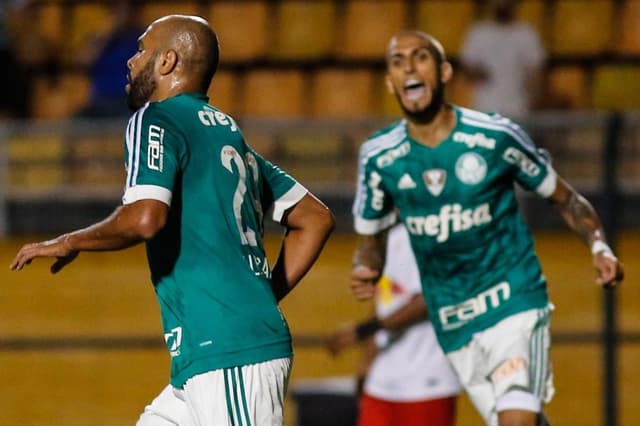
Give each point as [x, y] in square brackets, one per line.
[363, 280]
[24, 257]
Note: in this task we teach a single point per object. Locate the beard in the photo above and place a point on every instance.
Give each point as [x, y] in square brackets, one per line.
[428, 113]
[142, 87]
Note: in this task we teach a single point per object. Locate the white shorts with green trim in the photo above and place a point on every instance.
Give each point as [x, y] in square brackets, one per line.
[250, 395]
[507, 366]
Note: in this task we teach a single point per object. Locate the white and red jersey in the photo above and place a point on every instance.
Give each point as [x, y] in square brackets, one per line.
[410, 365]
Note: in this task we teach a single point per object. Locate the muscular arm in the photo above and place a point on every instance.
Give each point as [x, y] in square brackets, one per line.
[581, 217]
[308, 224]
[126, 226]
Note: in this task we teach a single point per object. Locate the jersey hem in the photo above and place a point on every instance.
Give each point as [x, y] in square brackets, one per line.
[230, 359]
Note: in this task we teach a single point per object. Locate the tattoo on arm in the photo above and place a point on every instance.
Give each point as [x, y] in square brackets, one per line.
[371, 251]
[581, 217]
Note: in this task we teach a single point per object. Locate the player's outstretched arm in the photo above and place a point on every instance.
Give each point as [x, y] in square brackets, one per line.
[582, 218]
[368, 262]
[126, 226]
[308, 226]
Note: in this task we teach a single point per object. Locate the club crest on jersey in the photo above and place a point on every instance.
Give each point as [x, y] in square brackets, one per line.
[434, 180]
[471, 168]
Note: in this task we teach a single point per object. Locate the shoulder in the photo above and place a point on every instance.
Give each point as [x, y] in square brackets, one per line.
[382, 140]
[492, 125]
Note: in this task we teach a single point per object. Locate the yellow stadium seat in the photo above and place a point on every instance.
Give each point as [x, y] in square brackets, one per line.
[87, 21]
[439, 17]
[152, 10]
[243, 29]
[581, 29]
[343, 93]
[567, 87]
[273, 93]
[367, 26]
[616, 87]
[629, 38]
[312, 159]
[223, 92]
[304, 30]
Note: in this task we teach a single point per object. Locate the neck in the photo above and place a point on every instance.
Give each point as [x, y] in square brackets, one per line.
[436, 130]
[174, 87]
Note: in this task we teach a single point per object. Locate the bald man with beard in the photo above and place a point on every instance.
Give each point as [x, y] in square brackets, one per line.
[196, 194]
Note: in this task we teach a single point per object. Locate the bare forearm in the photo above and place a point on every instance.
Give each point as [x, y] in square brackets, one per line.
[298, 253]
[371, 251]
[413, 312]
[126, 226]
[581, 217]
[102, 236]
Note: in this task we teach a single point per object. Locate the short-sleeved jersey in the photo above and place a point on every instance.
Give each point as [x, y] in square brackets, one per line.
[457, 200]
[208, 264]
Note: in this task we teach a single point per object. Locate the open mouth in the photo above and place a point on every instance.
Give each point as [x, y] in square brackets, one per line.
[414, 90]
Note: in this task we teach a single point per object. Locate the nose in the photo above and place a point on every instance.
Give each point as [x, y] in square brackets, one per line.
[409, 66]
[129, 63]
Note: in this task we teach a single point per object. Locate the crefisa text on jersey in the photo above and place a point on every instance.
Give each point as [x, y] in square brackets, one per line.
[211, 117]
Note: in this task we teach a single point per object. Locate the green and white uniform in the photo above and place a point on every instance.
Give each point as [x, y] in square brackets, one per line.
[208, 264]
[457, 200]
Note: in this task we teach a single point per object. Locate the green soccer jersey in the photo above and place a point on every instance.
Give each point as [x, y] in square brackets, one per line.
[457, 200]
[208, 264]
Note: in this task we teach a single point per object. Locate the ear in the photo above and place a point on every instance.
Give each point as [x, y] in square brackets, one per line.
[387, 82]
[446, 72]
[167, 61]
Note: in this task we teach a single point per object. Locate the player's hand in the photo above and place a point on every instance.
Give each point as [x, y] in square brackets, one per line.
[610, 271]
[57, 248]
[341, 339]
[363, 282]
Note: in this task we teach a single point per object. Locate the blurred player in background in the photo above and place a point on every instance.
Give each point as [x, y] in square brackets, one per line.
[504, 58]
[405, 378]
[448, 173]
[196, 193]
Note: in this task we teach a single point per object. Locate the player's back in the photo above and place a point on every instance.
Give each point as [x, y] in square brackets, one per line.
[208, 263]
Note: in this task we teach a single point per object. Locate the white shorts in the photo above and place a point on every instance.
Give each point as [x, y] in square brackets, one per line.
[507, 366]
[249, 395]
[167, 409]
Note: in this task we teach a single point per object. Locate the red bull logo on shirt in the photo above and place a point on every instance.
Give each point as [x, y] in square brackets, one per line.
[451, 219]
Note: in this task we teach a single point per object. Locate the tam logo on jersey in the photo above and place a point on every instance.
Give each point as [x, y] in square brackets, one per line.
[155, 148]
[451, 219]
[455, 316]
